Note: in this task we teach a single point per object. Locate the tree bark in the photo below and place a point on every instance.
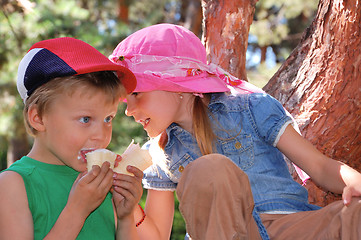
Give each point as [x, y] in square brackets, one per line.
[225, 33]
[192, 16]
[123, 10]
[18, 144]
[320, 85]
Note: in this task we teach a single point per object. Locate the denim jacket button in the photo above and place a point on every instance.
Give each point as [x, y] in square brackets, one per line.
[181, 168]
[237, 145]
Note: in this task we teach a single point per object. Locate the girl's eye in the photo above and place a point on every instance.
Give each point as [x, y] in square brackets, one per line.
[135, 94]
[84, 119]
[108, 119]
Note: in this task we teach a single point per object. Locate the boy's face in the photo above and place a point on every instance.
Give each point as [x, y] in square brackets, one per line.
[73, 123]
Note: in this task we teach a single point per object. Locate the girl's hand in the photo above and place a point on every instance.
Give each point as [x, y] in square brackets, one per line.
[127, 191]
[348, 193]
[90, 189]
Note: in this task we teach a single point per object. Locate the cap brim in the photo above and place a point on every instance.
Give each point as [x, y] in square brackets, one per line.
[127, 78]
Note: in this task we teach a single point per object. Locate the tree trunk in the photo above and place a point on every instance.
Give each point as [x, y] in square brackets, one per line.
[18, 145]
[320, 85]
[192, 16]
[123, 10]
[226, 26]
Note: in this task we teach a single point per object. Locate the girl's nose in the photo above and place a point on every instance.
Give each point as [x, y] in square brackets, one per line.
[129, 111]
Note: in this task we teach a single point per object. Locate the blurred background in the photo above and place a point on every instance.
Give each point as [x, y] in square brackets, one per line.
[276, 30]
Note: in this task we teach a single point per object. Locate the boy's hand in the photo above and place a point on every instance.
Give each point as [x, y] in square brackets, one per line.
[127, 191]
[90, 189]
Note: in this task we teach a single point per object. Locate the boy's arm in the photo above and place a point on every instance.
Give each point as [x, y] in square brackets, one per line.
[88, 192]
[326, 172]
[16, 221]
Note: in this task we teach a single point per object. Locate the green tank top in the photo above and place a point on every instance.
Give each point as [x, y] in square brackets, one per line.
[48, 187]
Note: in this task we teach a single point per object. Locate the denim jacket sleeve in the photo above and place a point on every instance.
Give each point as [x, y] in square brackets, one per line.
[269, 117]
[155, 177]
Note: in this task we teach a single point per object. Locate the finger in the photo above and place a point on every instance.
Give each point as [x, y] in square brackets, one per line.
[117, 160]
[126, 194]
[347, 195]
[136, 171]
[126, 181]
[107, 181]
[134, 188]
[80, 175]
[90, 176]
[105, 168]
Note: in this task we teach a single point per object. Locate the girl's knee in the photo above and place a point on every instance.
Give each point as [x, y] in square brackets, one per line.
[215, 170]
[216, 164]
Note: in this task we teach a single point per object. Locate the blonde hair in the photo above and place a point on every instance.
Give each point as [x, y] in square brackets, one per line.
[43, 96]
[202, 127]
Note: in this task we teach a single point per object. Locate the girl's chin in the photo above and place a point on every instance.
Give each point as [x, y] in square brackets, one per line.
[153, 134]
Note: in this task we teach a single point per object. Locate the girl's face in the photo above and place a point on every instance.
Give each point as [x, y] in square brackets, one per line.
[73, 123]
[156, 110]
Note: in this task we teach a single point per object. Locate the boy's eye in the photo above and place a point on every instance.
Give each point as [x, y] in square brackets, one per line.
[108, 119]
[84, 119]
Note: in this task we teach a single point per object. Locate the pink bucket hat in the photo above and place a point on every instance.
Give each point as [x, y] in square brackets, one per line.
[171, 58]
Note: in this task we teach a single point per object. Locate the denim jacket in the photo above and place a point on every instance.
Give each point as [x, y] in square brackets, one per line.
[248, 127]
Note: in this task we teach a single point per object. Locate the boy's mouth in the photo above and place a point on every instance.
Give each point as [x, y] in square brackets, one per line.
[83, 152]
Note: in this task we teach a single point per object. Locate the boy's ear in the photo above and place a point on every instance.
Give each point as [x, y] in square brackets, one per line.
[35, 120]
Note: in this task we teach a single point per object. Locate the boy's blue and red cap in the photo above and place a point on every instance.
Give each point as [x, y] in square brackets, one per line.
[60, 57]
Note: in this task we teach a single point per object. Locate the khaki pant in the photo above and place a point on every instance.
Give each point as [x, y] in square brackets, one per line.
[216, 202]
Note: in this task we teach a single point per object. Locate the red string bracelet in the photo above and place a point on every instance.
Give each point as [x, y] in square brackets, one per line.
[141, 220]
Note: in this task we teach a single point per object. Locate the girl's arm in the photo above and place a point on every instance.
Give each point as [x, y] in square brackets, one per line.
[126, 195]
[330, 174]
[16, 221]
[159, 209]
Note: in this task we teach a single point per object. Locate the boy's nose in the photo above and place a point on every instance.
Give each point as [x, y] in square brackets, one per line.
[101, 132]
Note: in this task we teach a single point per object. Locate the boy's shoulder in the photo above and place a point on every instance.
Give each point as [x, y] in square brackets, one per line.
[14, 206]
[22, 166]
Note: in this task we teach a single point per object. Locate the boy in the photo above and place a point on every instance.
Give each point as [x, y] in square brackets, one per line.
[71, 94]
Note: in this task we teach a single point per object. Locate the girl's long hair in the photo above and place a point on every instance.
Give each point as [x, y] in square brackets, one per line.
[202, 127]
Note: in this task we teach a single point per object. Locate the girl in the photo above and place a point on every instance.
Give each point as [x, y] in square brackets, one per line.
[223, 143]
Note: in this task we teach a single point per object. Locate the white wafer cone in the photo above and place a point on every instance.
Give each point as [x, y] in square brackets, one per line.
[134, 156]
[99, 156]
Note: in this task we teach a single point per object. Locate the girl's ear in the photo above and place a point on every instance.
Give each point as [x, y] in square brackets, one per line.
[35, 120]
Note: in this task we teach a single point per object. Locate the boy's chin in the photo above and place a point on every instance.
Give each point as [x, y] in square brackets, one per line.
[81, 168]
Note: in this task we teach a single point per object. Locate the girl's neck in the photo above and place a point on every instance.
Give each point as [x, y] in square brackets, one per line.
[186, 112]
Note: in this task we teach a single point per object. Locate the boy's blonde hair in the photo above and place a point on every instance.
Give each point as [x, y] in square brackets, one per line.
[43, 96]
